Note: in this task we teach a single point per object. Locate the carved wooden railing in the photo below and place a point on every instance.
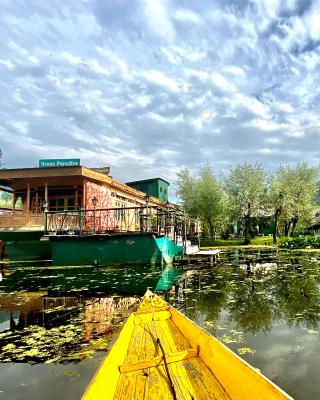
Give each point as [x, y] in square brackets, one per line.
[16, 221]
[36, 219]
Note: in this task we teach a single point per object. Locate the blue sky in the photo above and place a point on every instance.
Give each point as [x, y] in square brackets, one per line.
[153, 86]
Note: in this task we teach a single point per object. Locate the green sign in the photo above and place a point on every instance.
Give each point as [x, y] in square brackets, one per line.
[60, 162]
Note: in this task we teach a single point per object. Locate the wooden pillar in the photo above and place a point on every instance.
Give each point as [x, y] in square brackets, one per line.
[37, 208]
[76, 205]
[28, 198]
[28, 205]
[46, 191]
[84, 194]
[14, 202]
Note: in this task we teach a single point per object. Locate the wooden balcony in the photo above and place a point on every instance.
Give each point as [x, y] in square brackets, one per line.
[18, 220]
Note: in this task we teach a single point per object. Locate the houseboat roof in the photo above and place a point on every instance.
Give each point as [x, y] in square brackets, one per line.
[148, 180]
[17, 178]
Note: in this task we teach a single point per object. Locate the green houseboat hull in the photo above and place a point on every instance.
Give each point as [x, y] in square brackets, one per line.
[26, 245]
[106, 249]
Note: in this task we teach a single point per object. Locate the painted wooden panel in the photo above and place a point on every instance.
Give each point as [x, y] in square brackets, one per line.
[104, 220]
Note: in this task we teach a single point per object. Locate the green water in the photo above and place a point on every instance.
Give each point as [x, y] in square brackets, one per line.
[56, 324]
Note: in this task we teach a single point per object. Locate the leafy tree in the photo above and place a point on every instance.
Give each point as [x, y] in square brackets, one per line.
[186, 192]
[276, 201]
[5, 199]
[246, 186]
[202, 197]
[293, 191]
[317, 199]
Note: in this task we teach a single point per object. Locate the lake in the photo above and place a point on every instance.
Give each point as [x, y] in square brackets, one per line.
[56, 323]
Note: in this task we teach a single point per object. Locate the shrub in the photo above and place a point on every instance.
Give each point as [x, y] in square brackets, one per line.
[300, 242]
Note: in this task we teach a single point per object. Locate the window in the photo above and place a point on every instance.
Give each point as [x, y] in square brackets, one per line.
[70, 204]
[61, 204]
[120, 214]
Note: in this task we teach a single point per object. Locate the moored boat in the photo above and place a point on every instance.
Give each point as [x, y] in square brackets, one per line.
[21, 245]
[108, 249]
[161, 354]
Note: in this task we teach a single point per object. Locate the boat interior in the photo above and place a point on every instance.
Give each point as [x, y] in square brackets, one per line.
[160, 354]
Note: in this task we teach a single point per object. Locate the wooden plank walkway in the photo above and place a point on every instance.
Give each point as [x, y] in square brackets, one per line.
[203, 255]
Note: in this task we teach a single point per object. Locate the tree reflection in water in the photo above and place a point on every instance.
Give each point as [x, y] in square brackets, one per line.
[255, 291]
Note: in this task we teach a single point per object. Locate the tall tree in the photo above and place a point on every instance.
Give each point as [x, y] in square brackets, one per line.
[246, 186]
[276, 198]
[202, 197]
[293, 193]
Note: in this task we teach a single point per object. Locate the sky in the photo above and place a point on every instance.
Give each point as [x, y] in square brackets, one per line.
[150, 87]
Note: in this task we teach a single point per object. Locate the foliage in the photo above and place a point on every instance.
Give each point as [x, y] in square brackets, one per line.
[317, 197]
[37, 344]
[246, 186]
[186, 188]
[5, 200]
[300, 242]
[257, 241]
[59, 344]
[202, 197]
[245, 350]
[292, 193]
[249, 196]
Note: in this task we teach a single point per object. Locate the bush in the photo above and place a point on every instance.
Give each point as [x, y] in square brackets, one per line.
[300, 242]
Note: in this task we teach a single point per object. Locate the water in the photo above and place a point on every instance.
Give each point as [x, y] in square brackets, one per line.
[57, 323]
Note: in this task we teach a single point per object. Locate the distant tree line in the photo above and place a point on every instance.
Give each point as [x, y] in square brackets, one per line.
[248, 192]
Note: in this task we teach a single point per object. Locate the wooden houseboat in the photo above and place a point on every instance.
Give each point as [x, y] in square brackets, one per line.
[79, 215]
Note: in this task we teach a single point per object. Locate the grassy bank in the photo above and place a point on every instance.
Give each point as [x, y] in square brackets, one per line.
[301, 243]
[258, 241]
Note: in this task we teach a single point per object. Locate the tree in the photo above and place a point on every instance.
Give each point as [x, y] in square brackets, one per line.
[246, 186]
[317, 199]
[202, 197]
[293, 192]
[186, 192]
[276, 201]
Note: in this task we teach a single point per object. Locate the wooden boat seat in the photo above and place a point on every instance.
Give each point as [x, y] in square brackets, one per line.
[156, 361]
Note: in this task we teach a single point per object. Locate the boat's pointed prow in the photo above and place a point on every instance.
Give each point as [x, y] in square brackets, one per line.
[148, 293]
[151, 304]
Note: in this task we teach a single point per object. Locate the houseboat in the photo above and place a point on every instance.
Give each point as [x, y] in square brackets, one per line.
[76, 215]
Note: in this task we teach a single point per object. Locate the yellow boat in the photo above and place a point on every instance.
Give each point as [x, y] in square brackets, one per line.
[161, 354]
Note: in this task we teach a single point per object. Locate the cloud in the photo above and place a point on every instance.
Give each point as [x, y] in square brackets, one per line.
[158, 20]
[185, 15]
[159, 78]
[150, 87]
[265, 125]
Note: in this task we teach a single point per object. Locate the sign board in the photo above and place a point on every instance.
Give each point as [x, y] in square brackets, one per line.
[60, 162]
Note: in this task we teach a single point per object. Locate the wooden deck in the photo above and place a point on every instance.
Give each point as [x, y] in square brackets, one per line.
[211, 256]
